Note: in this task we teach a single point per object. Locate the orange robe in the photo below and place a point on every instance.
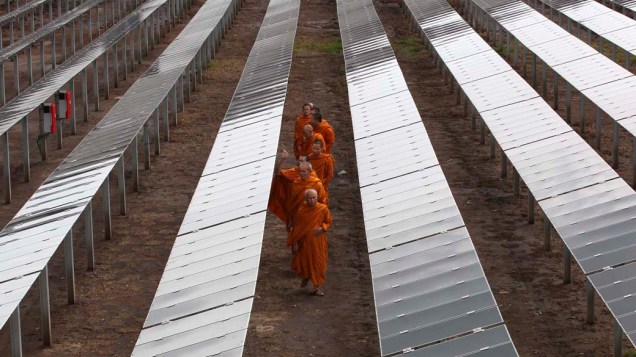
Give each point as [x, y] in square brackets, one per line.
[326, 130]
[303, 145]
[301, 121]
[282, 190]
[310, 262]
[323, 165]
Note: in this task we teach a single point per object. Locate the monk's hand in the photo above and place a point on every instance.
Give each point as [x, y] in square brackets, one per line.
[318, 231]
[295, 248]
[290, 225]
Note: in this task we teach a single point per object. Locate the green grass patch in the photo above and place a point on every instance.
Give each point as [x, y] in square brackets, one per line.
[410, 46]
[328, 45]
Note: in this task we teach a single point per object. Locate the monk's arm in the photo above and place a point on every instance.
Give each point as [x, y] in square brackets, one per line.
[327, 220]
[329, 173]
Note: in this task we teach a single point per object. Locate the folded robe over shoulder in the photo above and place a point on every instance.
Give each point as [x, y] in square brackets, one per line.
[310, 262]
[288, 192]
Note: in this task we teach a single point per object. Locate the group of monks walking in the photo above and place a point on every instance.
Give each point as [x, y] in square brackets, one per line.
[300, 196]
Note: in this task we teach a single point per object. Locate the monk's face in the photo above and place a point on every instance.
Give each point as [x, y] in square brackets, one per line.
[308, 130]
[314, 124]
[301, 159]
[306, 110]
[312, 198]
[316, 149]
[304, 171]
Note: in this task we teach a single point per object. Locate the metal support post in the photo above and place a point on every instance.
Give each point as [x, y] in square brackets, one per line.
[16, 73]
[26, 160]
[95, 86]
[544, 77]
[568, 102]
[16, 333]
[88, 236]
[121, 182]
[618, 339]
[157, 125]
[174, 105]
[115, 66]
[589, 293]
[582, 115]
[597, 128]
[106, 208]
[166, 118]
[69, 265]
[42, 60]
[515, 176]
[71, 86]
[146, 146]
[60, 126]
[534, 70]
[106, 79]
[45, 308]
[482, 132]
[555, 89]
[6, 168]
[567, 265]
[530, 207]
[615, 145]
[504, 164]
[492, 147]
[124, 59]
[135, 164]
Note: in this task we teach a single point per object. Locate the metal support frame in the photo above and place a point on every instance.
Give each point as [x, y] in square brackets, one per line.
[597, 128]
[6, 168]
[69, 267]
[26, 159]
[166, 119]
[547, 230]
[115, 66]
[589, 294]
[45, 308]
[108, 229]
[614, 145]
[530, 207]
[582, 115]
[517, 184]
[174, 104]
[134, 153]
[147, 146]
[504, 164]
[16, 333]
[567, 265]
[156, 130]
[568, 102]
[106, 79]
[96, 85]
[121, 183]
[88, 237]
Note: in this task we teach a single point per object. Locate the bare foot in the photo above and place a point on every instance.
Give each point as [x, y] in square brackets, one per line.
[318, 292]
[304, 283]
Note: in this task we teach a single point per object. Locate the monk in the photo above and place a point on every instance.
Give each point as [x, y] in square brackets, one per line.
[303, 145]
[296, 192]
[322, 163]
[309, 242]
[322, 127]
[281, 182]
[303, 119]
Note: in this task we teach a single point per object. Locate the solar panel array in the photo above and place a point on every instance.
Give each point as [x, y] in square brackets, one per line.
[203, 303]
[428, 283]
[614, 27]
[590, 207]
[32, 236]
[8, 17]
[626, 4]
[609, 87]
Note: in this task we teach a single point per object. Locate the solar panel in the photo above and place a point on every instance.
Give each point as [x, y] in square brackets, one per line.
[31, 237]
[428, 283]
[204, 299]
[584, 199]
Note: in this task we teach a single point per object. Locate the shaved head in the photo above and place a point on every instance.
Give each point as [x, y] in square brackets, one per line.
[308, 130]
[304, 169]
[311, 196]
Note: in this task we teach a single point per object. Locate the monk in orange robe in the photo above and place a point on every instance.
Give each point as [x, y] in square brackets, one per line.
[309, 241]
[303, 119]
[296, 193]
[281, 182]
[303, 145]
[322, 127]
[322, 163]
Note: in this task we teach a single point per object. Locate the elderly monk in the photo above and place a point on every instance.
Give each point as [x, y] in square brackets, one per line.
[322, 163]
[296, 192]
[303, 119]
[303, 145]
[281, 182]
[322, 127]
[309, 241]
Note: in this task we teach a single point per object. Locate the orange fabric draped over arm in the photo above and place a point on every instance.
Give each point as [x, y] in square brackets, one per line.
[311, 260]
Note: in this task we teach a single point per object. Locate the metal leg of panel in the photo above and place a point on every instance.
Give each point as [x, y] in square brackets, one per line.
[124, 58]
[88, 237]
[116, 66]
[146, 146]
[42, 60]
[181, 99]
[492, 147]
[517, 188]
[589, 293]
[29, 65]
[555, 89]
[157, 125]
[615, 145]
[534, 70]
[106, 79]
[45, 308]
[189, 79]
[139, 43]
[166, 120]
[53, 52]
[69, 266]
[567, 265]
[473, 118]
[96, 85]
[84, 94]
[16, 74]
[547, 229]
[524, 60]
[26, 160]
[597, 128]
[544, 77]
[627, 60]
[6, 168]
[618, 339]
[174, 105]
[60, 127]
[568, 102]
[482, 132]
[121, 183]
[16, 333]
[459, 94]
[108, 228]
[465, 106]
[134, 153]
[530, 208]
[582, 115]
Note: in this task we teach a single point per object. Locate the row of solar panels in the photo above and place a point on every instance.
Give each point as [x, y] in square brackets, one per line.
[428, 283]
[610, 25]
[20, 11]
[609, 87]
[32, 236]
[587, 203]
[204, 299]
[625, 4]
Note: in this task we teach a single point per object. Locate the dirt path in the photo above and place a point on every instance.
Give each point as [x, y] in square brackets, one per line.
[113, 300]
[545, 317]
[287, 321]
